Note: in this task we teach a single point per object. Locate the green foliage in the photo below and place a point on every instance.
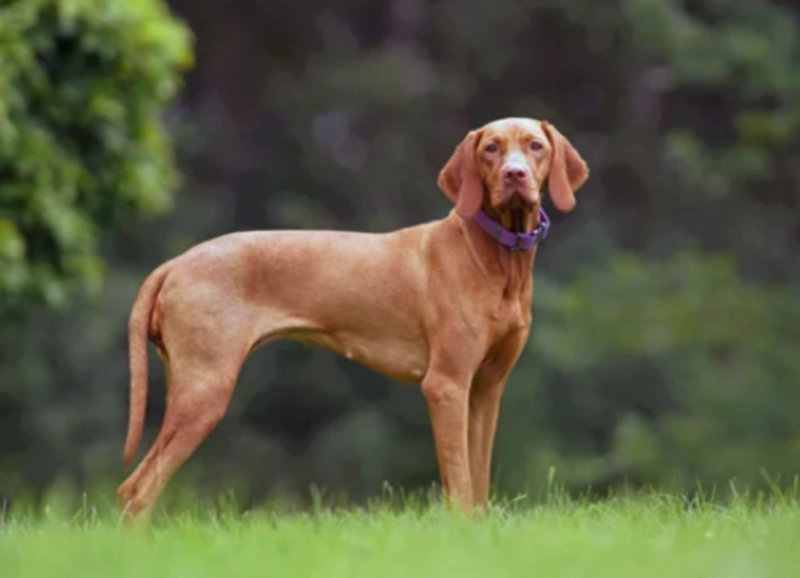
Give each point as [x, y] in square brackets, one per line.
[648, 363]
[746, 51]
[687, 372]
[83, 86]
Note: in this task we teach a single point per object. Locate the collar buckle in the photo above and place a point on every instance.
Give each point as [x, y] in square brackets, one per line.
[519, 244]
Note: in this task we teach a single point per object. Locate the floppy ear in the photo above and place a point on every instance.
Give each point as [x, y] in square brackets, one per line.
[568, 171]
[460, 178]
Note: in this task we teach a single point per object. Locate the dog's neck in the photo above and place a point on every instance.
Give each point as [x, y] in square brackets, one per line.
[513, 268]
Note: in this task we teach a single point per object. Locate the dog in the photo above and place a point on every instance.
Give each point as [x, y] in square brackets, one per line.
[445, 305]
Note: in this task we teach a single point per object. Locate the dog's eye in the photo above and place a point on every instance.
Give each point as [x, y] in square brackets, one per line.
[536, 146]
[491, 148]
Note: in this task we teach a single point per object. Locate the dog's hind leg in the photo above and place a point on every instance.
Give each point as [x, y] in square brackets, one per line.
[201, 373]
[191, 416]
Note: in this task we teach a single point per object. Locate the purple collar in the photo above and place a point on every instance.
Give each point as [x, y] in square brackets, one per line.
[510, 239]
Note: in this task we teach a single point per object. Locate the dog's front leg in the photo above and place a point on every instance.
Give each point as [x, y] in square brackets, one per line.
[448, 404]
[484, 409]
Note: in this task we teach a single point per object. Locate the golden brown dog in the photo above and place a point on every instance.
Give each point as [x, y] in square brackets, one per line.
[446, 304]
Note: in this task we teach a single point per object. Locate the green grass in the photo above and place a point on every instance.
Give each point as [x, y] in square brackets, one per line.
[649, 536]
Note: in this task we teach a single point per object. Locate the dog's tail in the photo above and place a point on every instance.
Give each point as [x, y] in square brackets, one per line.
[138, 336]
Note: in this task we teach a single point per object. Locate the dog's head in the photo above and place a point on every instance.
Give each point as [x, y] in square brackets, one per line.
[503, 167]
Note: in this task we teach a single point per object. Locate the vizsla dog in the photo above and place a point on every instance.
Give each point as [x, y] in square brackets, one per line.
[446, 304]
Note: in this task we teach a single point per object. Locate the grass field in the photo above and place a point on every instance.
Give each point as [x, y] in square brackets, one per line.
[650, 536]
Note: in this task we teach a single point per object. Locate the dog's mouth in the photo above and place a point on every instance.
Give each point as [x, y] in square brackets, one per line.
[517, 212]
[518, 215]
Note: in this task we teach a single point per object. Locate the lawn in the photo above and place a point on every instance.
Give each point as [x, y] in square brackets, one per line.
[643, 537]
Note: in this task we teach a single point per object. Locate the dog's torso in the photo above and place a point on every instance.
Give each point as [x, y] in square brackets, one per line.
[377, 298]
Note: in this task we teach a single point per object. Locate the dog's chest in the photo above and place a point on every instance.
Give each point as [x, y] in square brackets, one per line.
[509, 314]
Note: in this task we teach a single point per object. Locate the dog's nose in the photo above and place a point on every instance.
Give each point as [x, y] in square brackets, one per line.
[515, 172]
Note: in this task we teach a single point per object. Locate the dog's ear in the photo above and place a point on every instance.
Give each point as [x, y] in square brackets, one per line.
[460, 178]
[568, 170]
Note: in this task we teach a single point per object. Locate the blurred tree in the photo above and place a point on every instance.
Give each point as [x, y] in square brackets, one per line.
[82, 143]
[666, 314]
[724, 78]
[664, 372]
